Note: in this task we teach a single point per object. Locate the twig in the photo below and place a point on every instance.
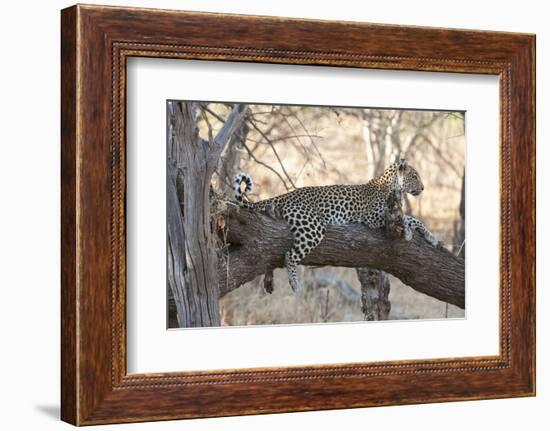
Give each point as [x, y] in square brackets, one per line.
[443, 158]
[274, 151]
[265, 165]
[293, 114]
[286, 138]
[461, 247]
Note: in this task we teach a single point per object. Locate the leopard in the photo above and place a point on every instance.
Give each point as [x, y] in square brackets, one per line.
[309, 210]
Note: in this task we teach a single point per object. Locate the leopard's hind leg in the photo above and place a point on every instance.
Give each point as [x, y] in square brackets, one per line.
[308, 232]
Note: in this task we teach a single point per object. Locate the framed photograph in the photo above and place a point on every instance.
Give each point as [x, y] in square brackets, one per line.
[283, 215]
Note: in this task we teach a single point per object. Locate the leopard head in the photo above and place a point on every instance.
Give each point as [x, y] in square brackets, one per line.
[408, 178]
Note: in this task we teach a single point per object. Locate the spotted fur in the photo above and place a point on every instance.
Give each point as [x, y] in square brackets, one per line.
[309, 210]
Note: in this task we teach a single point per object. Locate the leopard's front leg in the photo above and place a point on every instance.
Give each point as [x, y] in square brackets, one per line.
[308, 231]
[415, 224]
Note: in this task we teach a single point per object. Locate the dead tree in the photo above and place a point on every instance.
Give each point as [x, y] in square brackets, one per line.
[375, 290]
[192, 252]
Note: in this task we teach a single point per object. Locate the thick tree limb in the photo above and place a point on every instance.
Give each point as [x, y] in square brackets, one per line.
[258, 243]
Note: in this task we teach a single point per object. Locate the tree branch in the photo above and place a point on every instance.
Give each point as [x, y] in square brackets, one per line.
[258, 242]
[232, 123]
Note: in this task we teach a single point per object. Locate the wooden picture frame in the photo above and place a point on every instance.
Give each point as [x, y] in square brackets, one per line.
[95, 43]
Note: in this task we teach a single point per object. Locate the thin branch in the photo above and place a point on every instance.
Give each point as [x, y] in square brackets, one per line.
[442, 157]
[285, 118]
[265, 165]
[286, 138]
[274, 151]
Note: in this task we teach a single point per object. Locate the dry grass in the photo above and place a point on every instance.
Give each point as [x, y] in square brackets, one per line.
[251, 305]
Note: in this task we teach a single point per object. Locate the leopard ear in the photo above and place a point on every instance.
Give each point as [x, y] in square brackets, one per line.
[402, 164]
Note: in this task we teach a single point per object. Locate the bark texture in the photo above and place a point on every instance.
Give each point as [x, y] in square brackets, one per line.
[192, 252]
[258, 241]
[375, 291]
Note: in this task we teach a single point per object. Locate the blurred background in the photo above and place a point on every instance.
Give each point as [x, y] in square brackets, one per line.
[284, 147]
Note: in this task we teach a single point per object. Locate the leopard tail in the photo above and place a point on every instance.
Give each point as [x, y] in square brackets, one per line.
[238, 180]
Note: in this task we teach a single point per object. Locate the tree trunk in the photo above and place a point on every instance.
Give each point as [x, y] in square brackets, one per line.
[192, 253]
[175, 250]
[375, 286]
[228, 165]
[375, 290]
